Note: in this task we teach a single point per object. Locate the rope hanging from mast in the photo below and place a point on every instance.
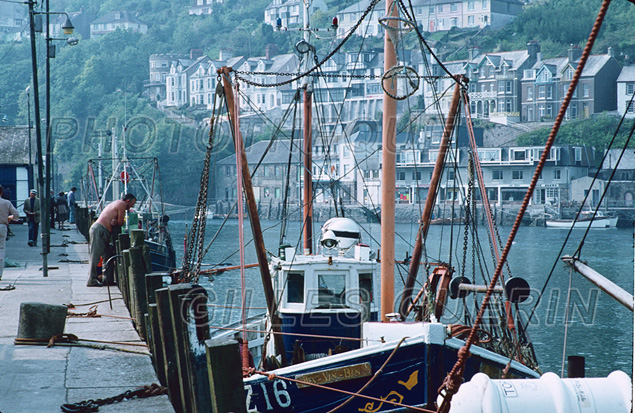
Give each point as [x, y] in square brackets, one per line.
[455, 377]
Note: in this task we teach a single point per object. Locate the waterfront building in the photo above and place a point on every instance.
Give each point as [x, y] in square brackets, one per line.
[545, 84]
[200, 7]
[625, 91]
[119, 19]
[18, 162]
[155, 87]
[290, 12]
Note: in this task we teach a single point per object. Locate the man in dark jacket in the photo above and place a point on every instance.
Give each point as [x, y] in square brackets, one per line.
[32, 211]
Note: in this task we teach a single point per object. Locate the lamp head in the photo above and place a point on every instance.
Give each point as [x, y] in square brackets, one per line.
[72, 41]
[329, 240]
[68, 27]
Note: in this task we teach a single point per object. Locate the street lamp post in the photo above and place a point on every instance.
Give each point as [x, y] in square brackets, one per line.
[44, 180]
[28, 116]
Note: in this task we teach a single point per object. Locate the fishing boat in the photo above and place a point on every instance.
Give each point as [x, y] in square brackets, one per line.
[587, 219]
[328, 340]
[314, 362]
[106, 176]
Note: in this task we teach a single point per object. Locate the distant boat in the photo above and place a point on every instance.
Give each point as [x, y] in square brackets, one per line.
[600, 221]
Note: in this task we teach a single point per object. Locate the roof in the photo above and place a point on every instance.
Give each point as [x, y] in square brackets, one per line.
[277, 154]
[124, 16]
[627, 74]
[14, 145]
[627, 161]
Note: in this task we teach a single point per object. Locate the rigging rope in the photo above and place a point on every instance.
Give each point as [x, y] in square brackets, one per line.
[454, 378]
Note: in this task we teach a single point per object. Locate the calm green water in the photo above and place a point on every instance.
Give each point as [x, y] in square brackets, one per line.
[600, 329]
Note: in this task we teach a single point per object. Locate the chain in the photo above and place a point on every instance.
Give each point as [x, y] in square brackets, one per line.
[369, 9]
[93, 405]
[468, 197]
[196, 237]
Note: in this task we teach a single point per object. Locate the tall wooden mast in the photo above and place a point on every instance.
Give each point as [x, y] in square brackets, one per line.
[429, 205]
[388, 157]
[252, 208]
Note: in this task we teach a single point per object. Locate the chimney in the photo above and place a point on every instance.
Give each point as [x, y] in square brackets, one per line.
[196, 53]
[610, 52]
[225, 54]
[270, 51]
[574, 53]
[473, 52]
[533, 48]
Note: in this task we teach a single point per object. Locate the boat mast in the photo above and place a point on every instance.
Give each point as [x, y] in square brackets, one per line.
[430, 200]
[308, 140]
[388, 157]
[255, 225]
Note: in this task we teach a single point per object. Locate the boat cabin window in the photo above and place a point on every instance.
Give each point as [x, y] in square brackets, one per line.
[366, 294]
[295, 287]
[331, 290]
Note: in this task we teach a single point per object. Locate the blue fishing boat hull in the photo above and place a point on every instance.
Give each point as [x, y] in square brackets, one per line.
[412, 376]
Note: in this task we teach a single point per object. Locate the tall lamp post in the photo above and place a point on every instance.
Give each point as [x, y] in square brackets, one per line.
[28, 116]
[44, 180]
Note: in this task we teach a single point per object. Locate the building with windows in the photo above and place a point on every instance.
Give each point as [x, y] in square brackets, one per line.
[626, 91]
[200, 7]
[545, 85]
[114, 20]
[290, 12]
[269, 180]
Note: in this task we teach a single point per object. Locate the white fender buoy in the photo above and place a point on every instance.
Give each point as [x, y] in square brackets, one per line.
[549, 393]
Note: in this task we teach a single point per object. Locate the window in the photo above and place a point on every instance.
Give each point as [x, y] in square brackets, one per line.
[295, 287]
[557, 174]
[453, 22]
[497, 175]
[451, 174]
[501, 87]
[508, 86]
[530, 93]
[631, 108]
[630, 88]
[585, 90]
[453, 7]
[484, 5]
[568, 74]
[541, 92]
[549, 96]
[578, 154]
[431, 9]
[470, 20]
[416, 176]
[517, 175]
[440, 8]
[331, 290]
[470, 5]
[518, 155]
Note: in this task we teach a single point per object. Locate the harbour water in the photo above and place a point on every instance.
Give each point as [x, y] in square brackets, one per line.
[599, 328]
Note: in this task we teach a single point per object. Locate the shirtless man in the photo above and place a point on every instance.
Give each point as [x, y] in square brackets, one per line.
[113, 215]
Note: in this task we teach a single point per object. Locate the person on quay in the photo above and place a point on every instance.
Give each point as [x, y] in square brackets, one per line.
[32, 211]
[6, 194]
[7, 213]
[61, 209]
[72, 202]
[100, 232]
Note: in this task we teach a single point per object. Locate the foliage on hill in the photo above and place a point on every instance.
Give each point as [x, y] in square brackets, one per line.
[88, 81]
[596, 131]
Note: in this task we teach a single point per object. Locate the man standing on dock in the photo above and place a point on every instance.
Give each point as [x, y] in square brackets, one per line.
[32, 211]
[71, 204]
[113, 215]
[7, 213]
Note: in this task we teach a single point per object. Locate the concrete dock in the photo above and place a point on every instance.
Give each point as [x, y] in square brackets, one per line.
[35, 378]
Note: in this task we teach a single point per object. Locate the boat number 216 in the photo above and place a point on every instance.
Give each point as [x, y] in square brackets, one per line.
[280, 397]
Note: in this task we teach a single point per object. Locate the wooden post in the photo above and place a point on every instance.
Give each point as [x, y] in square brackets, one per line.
[175, 292]
[154, 281]
[137, 278]
[195, 330]
[166, 330]
[225, 375]
[122, 245]
[126, 284]
[137, 238]
[156, 347]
